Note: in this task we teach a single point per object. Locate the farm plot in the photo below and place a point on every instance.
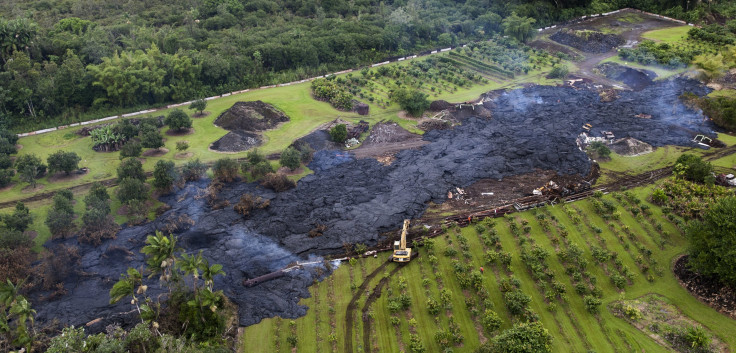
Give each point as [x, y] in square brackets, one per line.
[490, 64]
[563, 265]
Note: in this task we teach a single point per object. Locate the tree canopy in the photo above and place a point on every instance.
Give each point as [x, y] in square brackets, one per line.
[712, 241]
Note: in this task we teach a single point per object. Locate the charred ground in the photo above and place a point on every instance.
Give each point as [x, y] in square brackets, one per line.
[356, 199]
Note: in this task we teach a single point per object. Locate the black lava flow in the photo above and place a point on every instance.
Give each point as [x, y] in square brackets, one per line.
[358, 199]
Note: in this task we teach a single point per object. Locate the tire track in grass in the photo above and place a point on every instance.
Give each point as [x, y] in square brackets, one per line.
[352, 306]
[332, 338]
[317, 322]
[375, 294]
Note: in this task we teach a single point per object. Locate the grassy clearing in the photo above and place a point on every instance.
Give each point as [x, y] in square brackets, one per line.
[659, 158]
[574, 328]
[668, 35]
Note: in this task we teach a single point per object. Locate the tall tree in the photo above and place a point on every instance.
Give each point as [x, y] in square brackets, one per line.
[518, 27]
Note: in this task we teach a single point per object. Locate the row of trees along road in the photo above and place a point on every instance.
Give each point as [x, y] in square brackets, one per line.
[62, 63]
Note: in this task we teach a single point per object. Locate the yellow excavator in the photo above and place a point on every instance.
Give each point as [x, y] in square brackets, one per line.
[401, 252]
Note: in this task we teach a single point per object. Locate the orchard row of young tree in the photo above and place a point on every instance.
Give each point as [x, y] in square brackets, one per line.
[62, 62]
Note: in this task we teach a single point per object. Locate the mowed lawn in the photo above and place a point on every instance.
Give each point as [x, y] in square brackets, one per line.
[668, 35]
[573, 327]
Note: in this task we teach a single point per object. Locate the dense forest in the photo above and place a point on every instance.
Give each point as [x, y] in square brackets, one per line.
[70, 60]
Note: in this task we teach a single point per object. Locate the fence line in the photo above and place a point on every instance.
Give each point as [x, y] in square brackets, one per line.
[397, 59]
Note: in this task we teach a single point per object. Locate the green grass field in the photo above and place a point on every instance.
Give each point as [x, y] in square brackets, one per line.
[573, 327]
[668, 35]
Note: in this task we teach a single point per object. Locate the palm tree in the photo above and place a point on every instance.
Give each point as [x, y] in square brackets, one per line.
[22, 311]
[209, 273]
[191, 264]
[161, 256]
[126, 287]
[14, 305]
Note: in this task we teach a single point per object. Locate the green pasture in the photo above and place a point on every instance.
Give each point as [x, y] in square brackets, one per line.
[573, 327]
[668, 35]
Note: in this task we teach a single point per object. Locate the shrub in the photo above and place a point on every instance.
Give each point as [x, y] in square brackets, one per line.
[599, 150]
[125, 129]
[182, 146]
[131, 168]
[61, 161]
[339, 133]
[711, 241]
[178, 120]
[249, 202]
[60, 219]
[131, 149]
[19, 220]
[198, 105]
[261, 169]
[592, 304]
[693, 167]
[131, 189]
[559, 71]
[290, 158]
[5, 161]
[491, 321]
[414, 102]
[522, 338]
[225, 170]
[164, 175]
[6, 176]
[516, 301]
[30, 168]
[277, 182]
[697, 337]
[152, 139]
[193, 170]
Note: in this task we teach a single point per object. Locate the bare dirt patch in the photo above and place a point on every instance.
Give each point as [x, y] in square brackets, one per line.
[155, 152]
[7, 187]
[707, 289]
[29, 190]
[201, 115]
[183, 132]
[245, 121]
[587, 41]
[385, 140]
[183, 155]
[31, 234]
[286, 171]
[18, 147]
[62, 176]
[630, 147]
[654, 316]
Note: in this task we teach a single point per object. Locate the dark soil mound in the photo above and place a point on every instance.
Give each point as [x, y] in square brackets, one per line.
[635, 78]
[706, 288]
[360, 107]
[319, 140]
[250, 116]
[587, 41]
[236, 141]
[245, 120]
[439, 105]
[434, 124]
